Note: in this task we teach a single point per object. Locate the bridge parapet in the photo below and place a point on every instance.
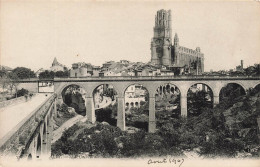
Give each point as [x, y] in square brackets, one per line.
[182, 77]
[192, 77]
[12, 101]
[19, 138]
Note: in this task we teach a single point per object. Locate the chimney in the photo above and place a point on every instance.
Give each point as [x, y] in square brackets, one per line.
[242, 63]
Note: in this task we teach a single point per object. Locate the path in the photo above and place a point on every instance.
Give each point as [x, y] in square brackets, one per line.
[12, 115]
[58, 132]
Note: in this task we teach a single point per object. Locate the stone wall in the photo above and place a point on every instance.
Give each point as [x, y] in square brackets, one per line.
[20, 136]
[32, 86]
[12, 101]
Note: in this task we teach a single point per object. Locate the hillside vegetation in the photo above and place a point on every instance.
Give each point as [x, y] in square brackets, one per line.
[228, 130]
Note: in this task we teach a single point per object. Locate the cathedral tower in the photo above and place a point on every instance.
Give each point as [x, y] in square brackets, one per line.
[161, 41]
[175, 49]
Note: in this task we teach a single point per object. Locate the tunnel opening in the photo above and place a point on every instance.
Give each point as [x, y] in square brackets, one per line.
[167, 103]
[105, 104]
[199, 97]
[136, 98]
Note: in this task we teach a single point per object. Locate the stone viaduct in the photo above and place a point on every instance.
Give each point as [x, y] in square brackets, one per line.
[120, 84]
[36, 130]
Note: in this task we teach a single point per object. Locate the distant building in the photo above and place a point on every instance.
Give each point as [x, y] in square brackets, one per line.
[178, 58]
[81, 70]
[240, 67]
[56, 66]
[96, 71]
[106, 65]
[124, 61]
[134, 95]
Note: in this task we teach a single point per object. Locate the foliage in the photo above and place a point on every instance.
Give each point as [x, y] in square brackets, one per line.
[230, 94]
[63, 108]
[3, 73]
[76, 101]
[22, 73]
[213, 133]
[50, 74]
[197, 101]
[105, 114]
[22, 92]
[62, 74]
[253, 70]
[108, 141]
[46, 74]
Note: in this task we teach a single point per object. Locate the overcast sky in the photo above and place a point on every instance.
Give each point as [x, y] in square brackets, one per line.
[34, 32]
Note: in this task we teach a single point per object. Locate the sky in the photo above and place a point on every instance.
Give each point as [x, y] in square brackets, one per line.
[32, 33]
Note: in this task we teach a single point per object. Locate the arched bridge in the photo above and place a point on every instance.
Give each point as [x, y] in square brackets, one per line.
[36, 131]
[120, 84]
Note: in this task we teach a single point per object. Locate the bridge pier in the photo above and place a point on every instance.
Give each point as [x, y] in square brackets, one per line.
[121, 113]
[90, 110]
[151, 123]
[50, 128]
[184, 110]
[215, 100]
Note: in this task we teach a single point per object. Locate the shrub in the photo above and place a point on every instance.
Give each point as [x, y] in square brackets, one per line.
[22, 92]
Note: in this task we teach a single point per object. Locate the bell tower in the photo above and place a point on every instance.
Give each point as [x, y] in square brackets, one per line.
[161, 42]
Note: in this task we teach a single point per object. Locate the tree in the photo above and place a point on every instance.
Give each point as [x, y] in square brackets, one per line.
[4, 79]
[3, 73]
[197, 101]
[47, 74]
[62, 74]
[253, 70]
[12, 81]
[23, 73]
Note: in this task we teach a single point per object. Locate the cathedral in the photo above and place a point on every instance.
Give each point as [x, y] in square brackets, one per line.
[179, 59]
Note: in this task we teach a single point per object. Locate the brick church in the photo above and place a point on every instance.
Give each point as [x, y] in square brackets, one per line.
[177, 58]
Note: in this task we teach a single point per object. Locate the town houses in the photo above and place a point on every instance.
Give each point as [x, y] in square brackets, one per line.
[121, 68]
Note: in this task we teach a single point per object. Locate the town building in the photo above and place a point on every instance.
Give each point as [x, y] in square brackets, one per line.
[240, 67]
[134, 95]
[81, 69]
[56, 66]
[177, 58]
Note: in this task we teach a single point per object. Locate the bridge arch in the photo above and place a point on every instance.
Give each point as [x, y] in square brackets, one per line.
[64, 89]
[199, 95]
[208, 84]
[167, 102]
[245, 88]
[104, 97]
[104, 87]
[73, 95]
[167, 88]
[257, 85]
[66, 84]
[228, 89]
[136, 97]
